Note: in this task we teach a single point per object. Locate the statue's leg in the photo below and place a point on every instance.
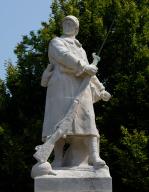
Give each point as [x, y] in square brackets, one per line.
[94, 157]
[77, 152]
[58, 153]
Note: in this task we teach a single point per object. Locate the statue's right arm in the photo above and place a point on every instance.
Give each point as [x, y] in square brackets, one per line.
[61, 55]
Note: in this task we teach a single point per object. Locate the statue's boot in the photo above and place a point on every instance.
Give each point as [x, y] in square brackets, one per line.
[94, 153]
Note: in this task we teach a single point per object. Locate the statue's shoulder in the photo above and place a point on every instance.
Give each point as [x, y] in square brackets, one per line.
[56, 40]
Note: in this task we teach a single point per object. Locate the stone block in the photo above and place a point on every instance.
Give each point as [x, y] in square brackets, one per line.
[76, 180]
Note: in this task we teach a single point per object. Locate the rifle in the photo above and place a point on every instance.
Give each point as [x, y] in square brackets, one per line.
[43, 152]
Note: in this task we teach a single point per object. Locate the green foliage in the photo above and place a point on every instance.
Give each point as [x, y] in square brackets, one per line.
[128, 160]
[124, 70]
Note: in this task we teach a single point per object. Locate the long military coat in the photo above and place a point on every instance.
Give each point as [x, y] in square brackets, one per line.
[68, 58]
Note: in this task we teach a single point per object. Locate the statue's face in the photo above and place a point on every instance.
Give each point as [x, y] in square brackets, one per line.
[70, 28]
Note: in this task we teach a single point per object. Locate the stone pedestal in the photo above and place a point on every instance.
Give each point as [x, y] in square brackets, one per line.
[76, 179]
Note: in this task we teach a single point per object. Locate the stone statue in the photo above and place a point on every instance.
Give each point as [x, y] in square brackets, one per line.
[72, 88]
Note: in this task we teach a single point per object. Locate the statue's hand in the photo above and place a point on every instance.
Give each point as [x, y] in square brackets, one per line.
[46, 75]
[90, 69]
[105, 96]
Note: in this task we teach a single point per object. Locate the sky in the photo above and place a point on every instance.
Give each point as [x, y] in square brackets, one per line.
[18, 18]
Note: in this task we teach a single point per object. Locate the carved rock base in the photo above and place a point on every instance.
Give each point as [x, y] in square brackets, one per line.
[76, 179]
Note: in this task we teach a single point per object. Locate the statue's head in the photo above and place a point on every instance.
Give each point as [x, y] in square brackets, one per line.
[70, 25]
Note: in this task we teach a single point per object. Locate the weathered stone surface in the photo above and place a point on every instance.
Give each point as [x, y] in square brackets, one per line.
[76, 179]
[69, 121]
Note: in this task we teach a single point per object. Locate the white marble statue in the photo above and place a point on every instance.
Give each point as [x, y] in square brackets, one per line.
[72, 88]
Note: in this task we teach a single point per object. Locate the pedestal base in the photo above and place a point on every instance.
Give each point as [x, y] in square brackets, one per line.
[76, 180]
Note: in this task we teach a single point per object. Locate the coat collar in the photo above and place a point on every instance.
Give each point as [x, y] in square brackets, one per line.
[72, 41]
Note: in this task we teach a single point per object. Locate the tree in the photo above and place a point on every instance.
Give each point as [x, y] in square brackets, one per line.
[128, 161]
